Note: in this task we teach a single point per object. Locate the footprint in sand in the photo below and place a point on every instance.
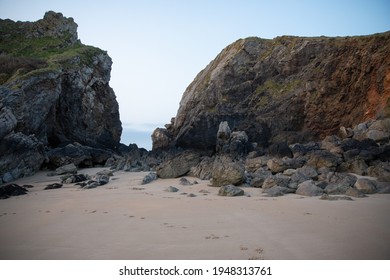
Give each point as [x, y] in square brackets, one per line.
[212, 236]
[243, 248]
[259, 254]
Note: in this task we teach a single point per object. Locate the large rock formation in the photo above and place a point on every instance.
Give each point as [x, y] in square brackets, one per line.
[289, 89]
[53, 91]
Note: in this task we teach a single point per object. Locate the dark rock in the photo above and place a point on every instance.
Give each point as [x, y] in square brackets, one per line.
[308, 188]
[79, 155]
[20, 156]
[151, 176]
[299, 149]
[184, 182]
[74, 178]
[179, 165]
[323, 158]
[280, 150]
[259, 177]
[102, 179]
[230, 190]
[7, 191]
[53, 186]
[106, 172]
[231, 143]
[91, 184]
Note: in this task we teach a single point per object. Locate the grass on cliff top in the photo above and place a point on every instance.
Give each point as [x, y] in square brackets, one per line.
[21, 56]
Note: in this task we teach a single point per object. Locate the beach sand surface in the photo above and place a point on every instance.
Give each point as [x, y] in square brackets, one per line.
[127, 220]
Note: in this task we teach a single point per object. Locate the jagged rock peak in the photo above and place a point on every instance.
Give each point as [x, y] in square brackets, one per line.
[52, 25]
[288, 89]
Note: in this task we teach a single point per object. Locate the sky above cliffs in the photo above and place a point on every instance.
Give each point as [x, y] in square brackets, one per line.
[158, 47]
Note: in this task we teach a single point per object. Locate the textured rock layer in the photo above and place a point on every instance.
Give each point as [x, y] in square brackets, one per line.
[53, 91]
[290, 89]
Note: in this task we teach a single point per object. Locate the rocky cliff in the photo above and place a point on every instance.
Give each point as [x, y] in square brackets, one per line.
[290, 89]
[53, 91]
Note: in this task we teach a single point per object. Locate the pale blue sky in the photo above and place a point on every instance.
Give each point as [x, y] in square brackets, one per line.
[158, 47]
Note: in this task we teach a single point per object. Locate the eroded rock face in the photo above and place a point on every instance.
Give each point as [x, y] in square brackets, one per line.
[291, 89]
[57, 94]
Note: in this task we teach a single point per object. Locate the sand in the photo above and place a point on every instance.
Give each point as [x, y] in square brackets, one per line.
[127, 220]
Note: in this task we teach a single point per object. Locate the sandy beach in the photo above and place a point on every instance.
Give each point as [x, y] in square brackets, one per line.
[127, 220]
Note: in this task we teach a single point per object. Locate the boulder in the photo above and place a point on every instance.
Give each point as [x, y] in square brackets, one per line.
[365, 186]
[275, 191]
[179, 165]
[276, 180]
[185, 182]
[67, 169]
[7, 191]
[230, 190]
[308, 188]
[324, 159]
[74, 178]
[151, 176]
[253, 164]
[277, 165]
[259, 177]
[227, 172]
[53, 186]
[380, 170]
[20, 156]
[203, 170]
[172, 189]
[161, 139]
[280, 150]
[354, 193]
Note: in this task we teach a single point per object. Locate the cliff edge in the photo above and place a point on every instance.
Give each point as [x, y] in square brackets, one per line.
[54, 91]
[288, 89]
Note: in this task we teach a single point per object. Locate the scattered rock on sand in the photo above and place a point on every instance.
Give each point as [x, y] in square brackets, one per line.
[230, 190]
[184, 182]
[149, 178]
[308, 188]
[11, 190]
[53, 186]
[172, 189]
[334, 197]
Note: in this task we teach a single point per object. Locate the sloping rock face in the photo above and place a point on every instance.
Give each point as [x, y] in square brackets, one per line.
[289, 89]
[53, 89]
